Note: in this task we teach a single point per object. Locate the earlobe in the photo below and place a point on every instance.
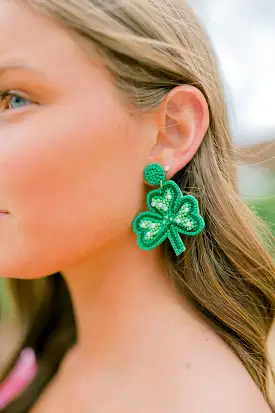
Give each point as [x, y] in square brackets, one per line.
[183, 123]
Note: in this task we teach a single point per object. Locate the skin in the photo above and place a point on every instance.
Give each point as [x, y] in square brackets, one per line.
[71, 178]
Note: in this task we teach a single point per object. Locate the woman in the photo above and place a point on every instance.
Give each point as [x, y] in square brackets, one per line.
[93, 93]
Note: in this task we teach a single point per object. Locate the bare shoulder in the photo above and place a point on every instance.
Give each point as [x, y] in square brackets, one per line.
[216, 381]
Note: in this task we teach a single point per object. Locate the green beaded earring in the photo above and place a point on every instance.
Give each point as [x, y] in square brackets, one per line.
[170, 213]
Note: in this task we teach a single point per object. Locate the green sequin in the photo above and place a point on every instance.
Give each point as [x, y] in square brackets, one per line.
[170, 213]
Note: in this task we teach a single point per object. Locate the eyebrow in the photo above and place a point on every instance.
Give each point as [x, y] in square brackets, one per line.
[4, 68]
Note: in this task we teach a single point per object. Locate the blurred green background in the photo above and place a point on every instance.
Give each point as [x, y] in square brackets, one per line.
[265, 208]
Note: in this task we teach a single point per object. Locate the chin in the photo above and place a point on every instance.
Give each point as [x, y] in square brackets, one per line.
[24, 270]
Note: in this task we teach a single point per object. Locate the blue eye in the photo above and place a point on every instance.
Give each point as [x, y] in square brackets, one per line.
[16, 102]
[10, 101]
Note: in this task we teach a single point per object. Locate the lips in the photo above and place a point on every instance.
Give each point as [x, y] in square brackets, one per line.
[3, 212]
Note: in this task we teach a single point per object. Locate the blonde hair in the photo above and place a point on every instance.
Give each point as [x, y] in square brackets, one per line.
[151, 46]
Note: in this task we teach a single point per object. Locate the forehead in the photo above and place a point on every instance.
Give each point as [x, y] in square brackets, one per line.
[29, 37]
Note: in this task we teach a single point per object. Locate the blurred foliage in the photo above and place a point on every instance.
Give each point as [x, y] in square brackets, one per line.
[4, 301]
[265, 209]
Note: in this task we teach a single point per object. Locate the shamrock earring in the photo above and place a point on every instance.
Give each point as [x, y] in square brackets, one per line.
[170, 213]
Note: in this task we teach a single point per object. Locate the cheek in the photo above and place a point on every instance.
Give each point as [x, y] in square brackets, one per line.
[69, 187]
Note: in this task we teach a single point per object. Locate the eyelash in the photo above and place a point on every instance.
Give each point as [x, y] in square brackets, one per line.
[5, 93]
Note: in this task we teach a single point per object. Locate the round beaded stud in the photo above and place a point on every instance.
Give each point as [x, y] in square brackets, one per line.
[154, 174]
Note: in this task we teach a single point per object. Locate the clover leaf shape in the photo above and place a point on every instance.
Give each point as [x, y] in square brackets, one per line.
[170, 214]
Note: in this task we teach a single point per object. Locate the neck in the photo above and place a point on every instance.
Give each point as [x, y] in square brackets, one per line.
[122, 296]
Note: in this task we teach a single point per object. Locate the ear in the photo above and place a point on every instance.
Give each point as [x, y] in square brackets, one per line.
[183, 120]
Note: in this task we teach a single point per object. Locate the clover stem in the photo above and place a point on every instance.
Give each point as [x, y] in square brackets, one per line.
[176, 241]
